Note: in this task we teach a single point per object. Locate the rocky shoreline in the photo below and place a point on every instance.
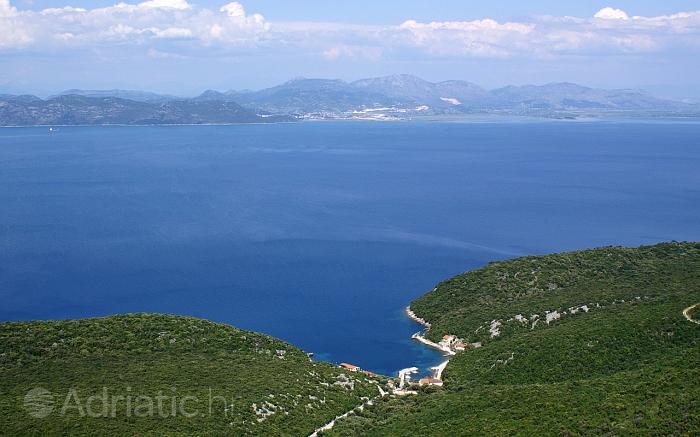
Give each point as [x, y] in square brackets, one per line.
[449, 346]
[411, 315]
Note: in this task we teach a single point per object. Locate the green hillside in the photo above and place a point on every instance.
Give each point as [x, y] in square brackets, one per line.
[224, 381]
[617, 357]
[585, 343]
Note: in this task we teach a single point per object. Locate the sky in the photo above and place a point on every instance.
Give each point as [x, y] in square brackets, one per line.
[186, 46]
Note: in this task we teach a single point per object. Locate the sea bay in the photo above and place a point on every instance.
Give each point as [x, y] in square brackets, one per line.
[320, 233]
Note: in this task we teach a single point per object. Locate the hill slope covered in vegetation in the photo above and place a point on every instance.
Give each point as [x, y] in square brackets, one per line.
[585, 343]
[595, 342]
[147, 374]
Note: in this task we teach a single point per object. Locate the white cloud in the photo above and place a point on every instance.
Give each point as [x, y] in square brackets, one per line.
[13, 32]
[171, 32]
[233, 9]
[6, 9]
[165, 4]
[352, 52]
[480, 37]
[610, 31]
[611, 14]
[63, 10]
[480, 26]
[177, 26]
[141, 24]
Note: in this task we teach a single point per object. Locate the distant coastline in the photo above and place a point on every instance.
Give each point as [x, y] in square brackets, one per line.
[391, 98]
[145, 125]
[478, 118]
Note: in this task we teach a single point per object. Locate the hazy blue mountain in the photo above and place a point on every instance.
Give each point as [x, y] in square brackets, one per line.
[397, 96]
[412, 89]
[571, 96]
[139, 96]
[314, 95]
[21, 99]
[401, 86]
[406, 94]
[79, 110]
[466, 92]
[212, 95]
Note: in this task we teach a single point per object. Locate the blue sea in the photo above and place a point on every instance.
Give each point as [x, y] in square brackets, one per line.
[320, 233]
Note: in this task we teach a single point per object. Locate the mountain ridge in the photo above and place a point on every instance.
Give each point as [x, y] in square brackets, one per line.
[387, 97]
[73, 109]
[135, 95]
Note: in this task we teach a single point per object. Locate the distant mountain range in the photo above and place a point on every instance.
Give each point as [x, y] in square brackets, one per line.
[398, 96]
[138, 96]
[405, 92]
[74, 109]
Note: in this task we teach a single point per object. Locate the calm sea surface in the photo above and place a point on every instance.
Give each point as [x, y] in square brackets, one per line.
[320, 233]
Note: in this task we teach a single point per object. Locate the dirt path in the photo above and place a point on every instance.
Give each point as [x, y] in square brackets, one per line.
[439, 369]
[686, 313]
[328, 426]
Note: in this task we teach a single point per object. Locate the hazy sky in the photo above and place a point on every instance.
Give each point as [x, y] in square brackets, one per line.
[184, 47]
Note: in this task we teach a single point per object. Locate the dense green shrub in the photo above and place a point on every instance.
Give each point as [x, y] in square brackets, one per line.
[622, 368]
[226, 369]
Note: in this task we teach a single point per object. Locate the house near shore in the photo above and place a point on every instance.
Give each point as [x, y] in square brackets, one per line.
[447, 341]
[456, 344]
[430, 381]
[350, 367]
